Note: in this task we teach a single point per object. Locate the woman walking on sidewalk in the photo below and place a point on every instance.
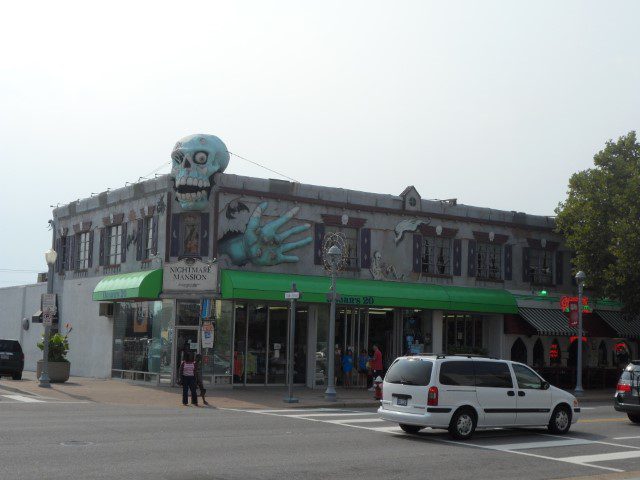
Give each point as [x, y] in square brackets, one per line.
[188, 378]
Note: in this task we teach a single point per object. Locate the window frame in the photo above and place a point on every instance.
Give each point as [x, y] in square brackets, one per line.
[458, 362]
[537, 256]
[429, 263]
[340, 229]
[483, 270]
[503, 364]
[116, 255]
[184, 223]
[83, 244]
[148, 237]
[531, 371]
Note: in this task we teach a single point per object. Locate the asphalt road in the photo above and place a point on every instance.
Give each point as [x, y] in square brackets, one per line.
[54, 440]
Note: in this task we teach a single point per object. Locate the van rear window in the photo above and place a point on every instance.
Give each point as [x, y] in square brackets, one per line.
[410, 371]
[9, 346]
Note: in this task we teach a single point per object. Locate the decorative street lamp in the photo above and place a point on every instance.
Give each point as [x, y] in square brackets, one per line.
[580, 277]
[50, 257]
[334, 257]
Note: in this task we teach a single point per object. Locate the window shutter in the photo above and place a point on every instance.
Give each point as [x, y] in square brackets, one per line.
[90, 256]
[103, 240]
[154, 236]
[123, 243]
[58, 247]
[175, 234]
[67, 261]
[559, 268]
[365, 248]
[471, 259]
[318, 239]
[204, 234]
[140, 240]
[72, 252]
[417, 253]
[457, 257]
[508, 262]
[525, 265]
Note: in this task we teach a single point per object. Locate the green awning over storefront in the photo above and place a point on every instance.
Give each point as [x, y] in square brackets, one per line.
[237, 284]
[129, 286]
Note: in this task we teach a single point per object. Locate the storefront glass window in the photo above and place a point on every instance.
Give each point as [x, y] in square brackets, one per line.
[142, 337]
[188, 313]
[416, 331]
[321, 345]
[462, 334]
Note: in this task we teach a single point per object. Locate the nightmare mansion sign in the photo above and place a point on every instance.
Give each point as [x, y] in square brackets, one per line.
[190, 274]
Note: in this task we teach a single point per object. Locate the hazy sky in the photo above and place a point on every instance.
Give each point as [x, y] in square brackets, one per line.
[495, 103]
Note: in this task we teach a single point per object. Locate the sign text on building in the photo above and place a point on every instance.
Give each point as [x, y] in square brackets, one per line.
[190, 274]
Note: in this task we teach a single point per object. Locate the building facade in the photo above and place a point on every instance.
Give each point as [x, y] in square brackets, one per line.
[200, 260]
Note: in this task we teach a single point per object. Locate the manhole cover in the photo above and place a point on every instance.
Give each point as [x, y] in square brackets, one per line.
[76, 443]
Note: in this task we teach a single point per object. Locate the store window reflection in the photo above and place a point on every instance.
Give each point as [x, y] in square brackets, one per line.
[462, 334]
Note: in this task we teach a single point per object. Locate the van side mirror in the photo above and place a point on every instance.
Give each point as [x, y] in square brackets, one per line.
[545, 385]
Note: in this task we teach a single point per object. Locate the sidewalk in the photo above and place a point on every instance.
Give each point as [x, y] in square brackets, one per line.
[118, 392]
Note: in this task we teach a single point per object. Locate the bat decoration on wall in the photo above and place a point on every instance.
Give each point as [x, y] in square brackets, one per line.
[233, 211]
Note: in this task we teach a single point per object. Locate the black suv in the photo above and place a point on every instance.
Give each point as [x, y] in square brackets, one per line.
[628, 392]
[11, 359]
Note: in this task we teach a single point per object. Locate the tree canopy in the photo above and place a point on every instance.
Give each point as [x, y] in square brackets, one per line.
[600, 220]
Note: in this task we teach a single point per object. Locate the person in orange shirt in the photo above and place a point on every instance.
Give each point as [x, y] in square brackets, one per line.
[376, 363]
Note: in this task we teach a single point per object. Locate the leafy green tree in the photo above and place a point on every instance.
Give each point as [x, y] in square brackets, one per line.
[600, 220]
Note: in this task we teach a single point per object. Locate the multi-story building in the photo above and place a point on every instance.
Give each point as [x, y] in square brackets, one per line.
[135, 265]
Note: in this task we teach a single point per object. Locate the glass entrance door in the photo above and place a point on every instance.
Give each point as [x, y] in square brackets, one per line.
[187, 340]
[256, 356]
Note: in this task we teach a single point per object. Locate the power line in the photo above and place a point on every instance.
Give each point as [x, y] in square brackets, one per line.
[262, 166]
[16, 270]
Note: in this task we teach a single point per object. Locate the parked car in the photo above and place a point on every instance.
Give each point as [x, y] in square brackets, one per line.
[11, 359]
[461, 393]
[627, 397]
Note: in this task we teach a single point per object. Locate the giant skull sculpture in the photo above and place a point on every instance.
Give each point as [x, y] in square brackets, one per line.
[196, 159]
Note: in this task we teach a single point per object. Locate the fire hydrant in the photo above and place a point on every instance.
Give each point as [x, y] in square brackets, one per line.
[377, 392]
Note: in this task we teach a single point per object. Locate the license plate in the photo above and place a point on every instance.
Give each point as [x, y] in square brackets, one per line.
[402, 402]
[5, 357]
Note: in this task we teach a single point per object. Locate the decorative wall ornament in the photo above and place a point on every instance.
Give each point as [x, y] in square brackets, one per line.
[382, 271]
[196, 159]
[263, 245]
[344, 219]
[543, 242]
[410, 225]
[232, 210]
[492, 236]
[439, 230]
[337, 239]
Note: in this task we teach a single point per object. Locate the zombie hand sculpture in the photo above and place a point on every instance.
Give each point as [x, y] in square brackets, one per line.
[262, 245]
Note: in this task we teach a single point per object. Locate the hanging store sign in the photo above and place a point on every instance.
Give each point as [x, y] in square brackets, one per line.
[207, 335]
[566, 301]
[190, 274]
[573, 314]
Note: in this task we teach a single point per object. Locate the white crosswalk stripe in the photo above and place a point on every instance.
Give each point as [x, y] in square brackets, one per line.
[540, 441]
[16, 398]
[24, 399]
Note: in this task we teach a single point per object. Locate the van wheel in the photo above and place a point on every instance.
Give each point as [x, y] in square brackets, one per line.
[410, 428]
[560, 422]
[17, 376]
[463, 424]
[634, 417]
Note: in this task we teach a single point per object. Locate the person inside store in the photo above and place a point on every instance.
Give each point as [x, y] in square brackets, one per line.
[188, 379]
[347, 368]
[338, 365]
[363, 373]
[376, 363]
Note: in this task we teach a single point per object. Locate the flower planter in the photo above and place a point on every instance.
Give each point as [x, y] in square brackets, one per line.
[58, 371]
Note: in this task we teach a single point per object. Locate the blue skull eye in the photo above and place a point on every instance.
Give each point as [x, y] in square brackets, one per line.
[200, 158]
[177, 156]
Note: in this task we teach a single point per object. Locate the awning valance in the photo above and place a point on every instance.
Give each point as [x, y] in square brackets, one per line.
[129, 286]
[237, 284]
[547, 321]
[626, 328]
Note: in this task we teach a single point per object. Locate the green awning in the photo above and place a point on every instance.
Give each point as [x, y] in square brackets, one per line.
[130, 286]
[237, 284]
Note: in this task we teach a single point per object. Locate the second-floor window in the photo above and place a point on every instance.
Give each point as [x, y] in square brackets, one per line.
[541, 266]
[83, 245]
[489, 261]
[114, 245]
[436, 256]
[350, 238]
[148, 237]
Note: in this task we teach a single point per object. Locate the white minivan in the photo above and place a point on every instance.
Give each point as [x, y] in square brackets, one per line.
[460, 393]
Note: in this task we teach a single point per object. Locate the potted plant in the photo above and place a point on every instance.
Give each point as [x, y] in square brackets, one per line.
[59, 366]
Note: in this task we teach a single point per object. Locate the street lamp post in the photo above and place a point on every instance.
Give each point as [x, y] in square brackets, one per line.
[334, 254]
[580, 277]
[50, 257]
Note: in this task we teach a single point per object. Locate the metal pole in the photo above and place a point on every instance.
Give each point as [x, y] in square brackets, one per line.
[579, 373]
[330, 393]
[44, 375]
[290, 343]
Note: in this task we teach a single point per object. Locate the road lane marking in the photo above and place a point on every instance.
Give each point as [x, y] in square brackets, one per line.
[602, 457]
[22, 398]
[324, 414]
[602, 420]
[354, 420]
[387, 429]
[544, 444]
[626, 438]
